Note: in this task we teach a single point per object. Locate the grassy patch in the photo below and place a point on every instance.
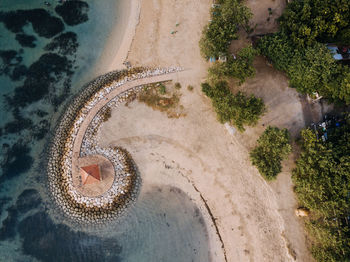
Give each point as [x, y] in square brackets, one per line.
[162, 89]
[155, 97]
[106, 114]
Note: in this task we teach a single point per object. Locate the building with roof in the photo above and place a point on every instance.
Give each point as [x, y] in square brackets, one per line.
[90, 174]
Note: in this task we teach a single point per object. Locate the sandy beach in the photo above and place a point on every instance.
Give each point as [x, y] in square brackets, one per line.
[245, 216]
[120, 39]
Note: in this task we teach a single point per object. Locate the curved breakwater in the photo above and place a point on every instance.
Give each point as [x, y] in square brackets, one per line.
[112, 203]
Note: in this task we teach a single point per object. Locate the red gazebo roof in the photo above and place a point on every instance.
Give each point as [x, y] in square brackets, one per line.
[90, 174]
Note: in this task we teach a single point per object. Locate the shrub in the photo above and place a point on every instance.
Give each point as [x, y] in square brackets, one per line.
[190, 88]
[162, 89]
[177, 85]
[273, 146]
[107, 114]
[154, 99]
[238, 109]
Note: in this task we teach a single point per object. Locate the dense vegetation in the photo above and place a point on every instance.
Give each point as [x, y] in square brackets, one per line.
[311, 21]
[237, 109]
[227, 17]
[273, 146]
[322, 180]
[240, 67]
[299, 48]
[311, 69]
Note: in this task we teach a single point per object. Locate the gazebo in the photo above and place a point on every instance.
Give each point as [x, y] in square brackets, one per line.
[90, 174]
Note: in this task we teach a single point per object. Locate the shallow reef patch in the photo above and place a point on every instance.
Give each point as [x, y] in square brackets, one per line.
[17, 161]
[48, 240]
[40, 77]
[27, 200]
[73, 12]
[26, 40]
[64, 44]
[44, 24]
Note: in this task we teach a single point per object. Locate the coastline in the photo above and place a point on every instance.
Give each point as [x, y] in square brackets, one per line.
[130, 47]
[119, 42]
[120, 46]
[241, 211]
[217, 173]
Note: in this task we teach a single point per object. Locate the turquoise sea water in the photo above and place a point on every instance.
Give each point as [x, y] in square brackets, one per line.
[45, 52]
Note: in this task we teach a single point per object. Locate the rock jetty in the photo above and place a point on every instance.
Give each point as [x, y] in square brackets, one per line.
[124, 190]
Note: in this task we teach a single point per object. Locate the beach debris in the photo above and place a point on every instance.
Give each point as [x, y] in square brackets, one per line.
[302, 212]
[212, 59]
[127, 64]
[231, 130]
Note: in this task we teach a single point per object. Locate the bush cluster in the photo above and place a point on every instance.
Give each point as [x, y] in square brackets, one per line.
[273, 146]
[239, 67]
[226, 18]
[237, 109]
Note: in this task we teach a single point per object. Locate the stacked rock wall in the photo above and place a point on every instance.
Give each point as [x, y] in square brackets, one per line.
[111, 204]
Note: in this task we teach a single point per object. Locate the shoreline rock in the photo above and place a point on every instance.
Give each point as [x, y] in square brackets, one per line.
[124, 190]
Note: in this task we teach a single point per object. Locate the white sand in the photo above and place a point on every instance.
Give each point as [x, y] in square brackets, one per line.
[120, 39]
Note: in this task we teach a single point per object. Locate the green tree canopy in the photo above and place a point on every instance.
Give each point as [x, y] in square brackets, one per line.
[322, 183]
[239, 68]
[309, 21]
[273, 146]
[237, 109]
[311, 69]
[225, 21]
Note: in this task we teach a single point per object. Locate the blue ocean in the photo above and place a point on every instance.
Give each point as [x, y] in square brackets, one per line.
[48, 49]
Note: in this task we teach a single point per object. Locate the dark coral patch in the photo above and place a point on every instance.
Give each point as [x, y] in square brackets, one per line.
[18, 124]
[41, 129]
[17, 161]
[8, 227]
[11, 65]
[27, 200]
[73, 12]
[47, 240]
[26, 40]
[3, 202]
[41, 75]
[18, 73]
[41, 113]
[43, 23]
[65, 44]
[9, 57]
